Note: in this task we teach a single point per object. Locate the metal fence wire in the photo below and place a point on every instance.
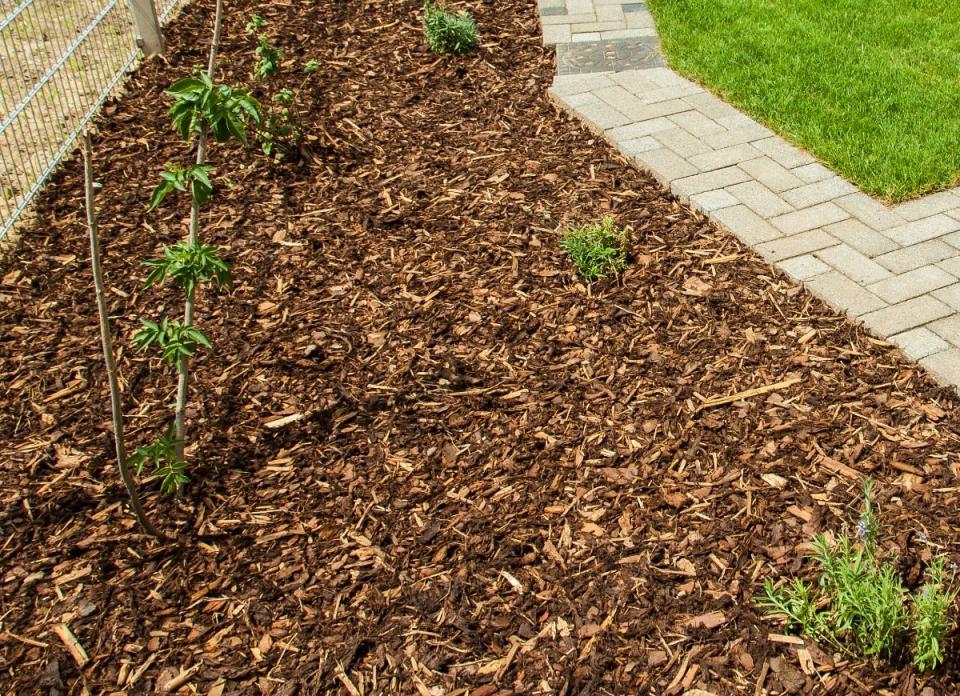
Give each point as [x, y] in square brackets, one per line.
[59, 61]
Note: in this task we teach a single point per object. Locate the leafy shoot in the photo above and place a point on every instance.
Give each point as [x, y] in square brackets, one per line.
[597, 251]
[449, 32]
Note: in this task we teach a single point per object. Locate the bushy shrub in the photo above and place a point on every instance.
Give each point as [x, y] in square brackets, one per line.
[449, 32]
[597, 251]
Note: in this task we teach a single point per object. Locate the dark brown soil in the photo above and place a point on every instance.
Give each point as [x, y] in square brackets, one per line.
[498, 480]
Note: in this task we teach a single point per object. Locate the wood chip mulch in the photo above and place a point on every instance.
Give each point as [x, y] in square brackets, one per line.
[427, 460]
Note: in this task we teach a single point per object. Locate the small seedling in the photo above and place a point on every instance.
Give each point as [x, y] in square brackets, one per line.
[861, 607]
[255, 24]
[268, 57]
[311, 66]
[597, 251]
[449, 32]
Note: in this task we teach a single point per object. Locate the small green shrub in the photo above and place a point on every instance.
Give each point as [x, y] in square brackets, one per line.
[449, 32]
[268, 57]
[861, 607]
[597, 251]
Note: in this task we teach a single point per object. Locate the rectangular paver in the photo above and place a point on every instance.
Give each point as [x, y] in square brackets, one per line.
[923, 254]
[919, 343]
[855, 265]
[864, 239]
[870, 212]
[944, 366]
[666, 165]
[947, 328]
[913, 283]
[818, 192]
[760, 199]
[844, 295]
[784, 153]
[950, 295]
[682, 142]
[804, 267]
[810, 218]
[906, 315]
[928, 205]
[795, 245]
[923, 229]
[746, 225]
[717, 159]
[709, 201]
[708, 181]
[771, 174]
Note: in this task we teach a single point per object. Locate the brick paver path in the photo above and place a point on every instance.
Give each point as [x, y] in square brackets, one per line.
[895, 269]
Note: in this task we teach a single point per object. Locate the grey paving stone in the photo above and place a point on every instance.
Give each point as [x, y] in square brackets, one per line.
[735, 133]
[906, 315]
[944, 366]
[696, 123]
[919, 343]
[559, 34]
[567, 19]
[951, 265]
[950, 295]
[947, 328]
[666, 165]
[601, 116]
[681, 142]
[855, 265]
[913, 283]
[818, 192]
[844, 295]
[717, 159]
[771, 174]
[872, 213]
[783, 153]
[709, 201]
[908, 258]
[928, 205]
[582, 99]
[637, 145]
[708, 181]
[639, 129]
[760, 199]
[711, 107]
[795, 245]
[635, 7]
[861, 237]
[810, 218]
[553, 11]
[813, 172]
[746, 225]
[638, 20]
[923, 229]
[565, 85]
[585, 37]
[804, 267]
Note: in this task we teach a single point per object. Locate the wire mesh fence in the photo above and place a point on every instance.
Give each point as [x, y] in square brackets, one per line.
[59, 61]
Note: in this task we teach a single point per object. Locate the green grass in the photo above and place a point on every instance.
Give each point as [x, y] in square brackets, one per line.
[871, 87]
[449, 32]
[597, 251]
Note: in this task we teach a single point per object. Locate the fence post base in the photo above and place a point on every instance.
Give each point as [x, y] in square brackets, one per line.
[149, 34]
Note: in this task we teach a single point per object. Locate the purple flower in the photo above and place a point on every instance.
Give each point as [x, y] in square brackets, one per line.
[862, 531]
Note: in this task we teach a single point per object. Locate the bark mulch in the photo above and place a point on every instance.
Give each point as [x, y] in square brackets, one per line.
[426, 459]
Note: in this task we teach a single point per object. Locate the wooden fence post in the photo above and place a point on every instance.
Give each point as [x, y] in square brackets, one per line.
[149, 35]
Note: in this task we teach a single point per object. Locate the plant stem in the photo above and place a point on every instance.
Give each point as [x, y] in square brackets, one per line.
[107, 341]
[183, 367]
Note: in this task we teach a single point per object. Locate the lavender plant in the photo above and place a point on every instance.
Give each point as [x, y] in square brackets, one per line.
[861, 607]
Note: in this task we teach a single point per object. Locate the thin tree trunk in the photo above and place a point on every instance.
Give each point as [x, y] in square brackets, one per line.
[107, 341]
[183, 368]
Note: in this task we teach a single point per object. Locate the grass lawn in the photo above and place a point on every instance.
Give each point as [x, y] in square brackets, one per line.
[871, 87]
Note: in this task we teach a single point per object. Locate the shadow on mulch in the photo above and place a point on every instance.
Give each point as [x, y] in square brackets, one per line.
[500, 481]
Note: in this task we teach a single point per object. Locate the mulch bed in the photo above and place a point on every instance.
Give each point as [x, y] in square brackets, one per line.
[491, 479]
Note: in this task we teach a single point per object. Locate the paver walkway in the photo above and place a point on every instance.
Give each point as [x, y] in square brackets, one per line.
[895, 269]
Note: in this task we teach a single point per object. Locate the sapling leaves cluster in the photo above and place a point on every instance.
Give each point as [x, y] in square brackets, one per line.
[176, 341]
[268, 57]
[161, 454]
[189, 264]
[201, 105]
[176, 178]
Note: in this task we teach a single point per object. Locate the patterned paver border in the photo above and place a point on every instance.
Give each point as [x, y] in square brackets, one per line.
[896, 269]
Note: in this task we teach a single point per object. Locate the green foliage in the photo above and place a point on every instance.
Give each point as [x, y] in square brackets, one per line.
[176, 178]
[269, 57]
[189, 264]
[176, 341]
[930, 616]
[449, 32]
[255, 23]
[162, 455]
[311, 66]
[596, 250]
[861, 607]
[282, 130]
[201, 105]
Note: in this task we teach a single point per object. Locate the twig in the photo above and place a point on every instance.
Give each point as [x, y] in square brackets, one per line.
[76, 650]
[106, 339]
[721, 400]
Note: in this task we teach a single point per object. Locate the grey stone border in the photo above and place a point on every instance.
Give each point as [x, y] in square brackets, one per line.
[895, 269]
